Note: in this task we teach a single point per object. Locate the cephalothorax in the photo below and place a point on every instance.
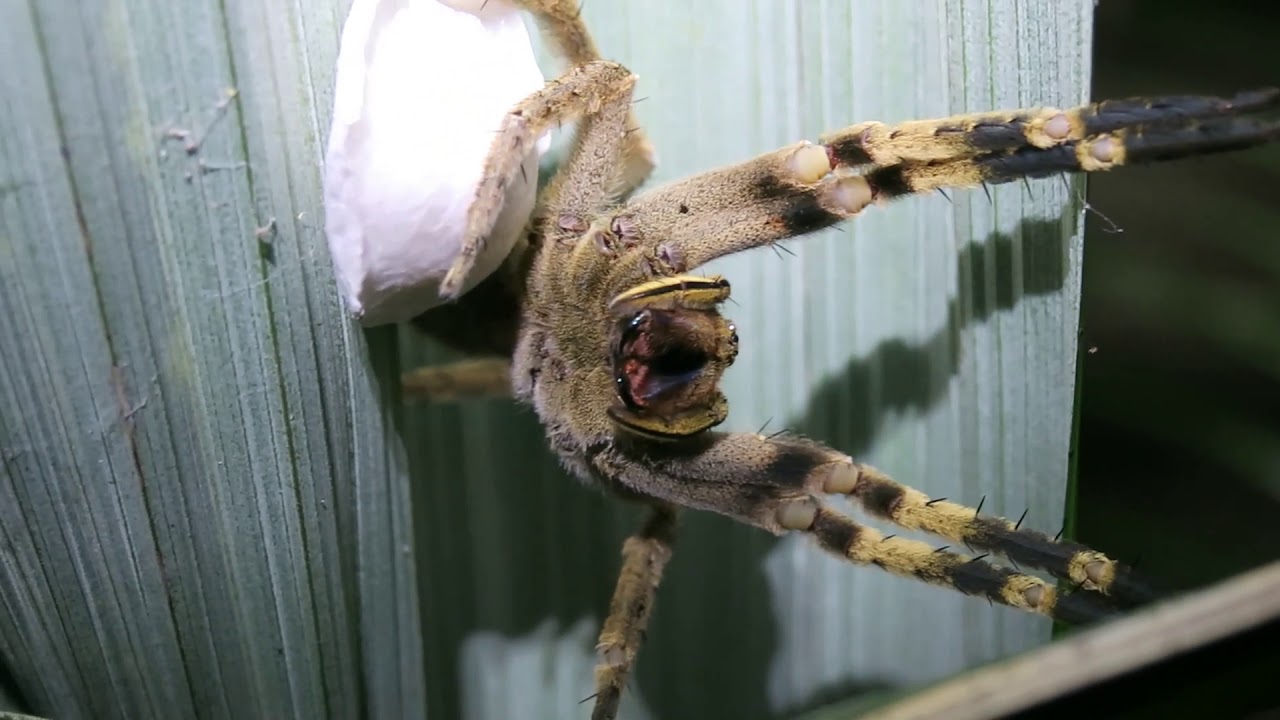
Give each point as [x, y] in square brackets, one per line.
[620, 346]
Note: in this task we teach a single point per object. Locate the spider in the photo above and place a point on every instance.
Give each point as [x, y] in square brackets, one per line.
[598, 322]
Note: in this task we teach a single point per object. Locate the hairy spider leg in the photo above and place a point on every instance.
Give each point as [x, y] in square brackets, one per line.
[775, 483]
[1088, 569]
[468, 378]
[999, 148]
[583, 92]
[561, 21]
[876, 492]
[959, 136]
[805, 187]
[863, 545]
[599, 93]
[644, 558]
[793, 191]
[781, 194]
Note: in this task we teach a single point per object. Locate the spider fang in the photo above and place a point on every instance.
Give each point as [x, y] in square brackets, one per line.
[688, 291]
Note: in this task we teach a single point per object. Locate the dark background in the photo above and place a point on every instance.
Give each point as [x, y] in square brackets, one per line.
[1179, 445]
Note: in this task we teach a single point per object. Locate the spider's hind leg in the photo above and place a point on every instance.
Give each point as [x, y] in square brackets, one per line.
[470, 378]
[644, 558]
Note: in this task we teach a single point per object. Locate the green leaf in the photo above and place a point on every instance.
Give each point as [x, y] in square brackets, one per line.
[203, 504]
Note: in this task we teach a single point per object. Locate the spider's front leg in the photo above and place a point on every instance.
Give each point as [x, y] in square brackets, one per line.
[590, 85]
[583, 91]
[806, 187]
[776, 483]
[906, 507]
[561, 21]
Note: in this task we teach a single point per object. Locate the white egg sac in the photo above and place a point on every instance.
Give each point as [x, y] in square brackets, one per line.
[421, 89]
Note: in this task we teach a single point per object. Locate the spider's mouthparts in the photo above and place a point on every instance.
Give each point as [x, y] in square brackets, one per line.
[656, 356]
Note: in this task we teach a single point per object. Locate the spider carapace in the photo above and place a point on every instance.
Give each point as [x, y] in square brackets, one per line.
[597, 321]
